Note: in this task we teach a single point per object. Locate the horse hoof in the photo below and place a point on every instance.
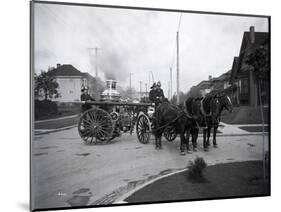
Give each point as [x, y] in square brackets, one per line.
[194, 149]
[188, 151]
[206, 149]
[215, 146]
[182, 154]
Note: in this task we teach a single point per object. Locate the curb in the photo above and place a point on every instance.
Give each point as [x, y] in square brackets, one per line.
[55, 119]
[47, 131]
[121, 200]
[238, 134]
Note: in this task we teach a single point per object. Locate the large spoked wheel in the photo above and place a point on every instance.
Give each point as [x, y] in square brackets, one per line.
[170, 133]
[143, 129]
[95, 126]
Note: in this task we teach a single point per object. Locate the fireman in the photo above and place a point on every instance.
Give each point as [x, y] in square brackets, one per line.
[159, 94]
[85, 97]
[152, 93]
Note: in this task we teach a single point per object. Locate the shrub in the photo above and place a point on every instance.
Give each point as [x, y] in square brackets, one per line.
[196, 168]
[45, 108]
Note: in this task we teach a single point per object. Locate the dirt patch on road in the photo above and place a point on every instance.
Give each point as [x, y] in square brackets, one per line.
[81, 197]
[40, 153]
[83, 154]
[49, 147]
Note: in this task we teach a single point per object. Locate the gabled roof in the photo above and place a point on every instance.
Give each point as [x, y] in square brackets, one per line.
[87, 75]
[234, 69]
[205, 84]
[261, 38]
[66, 70]
[224, 77]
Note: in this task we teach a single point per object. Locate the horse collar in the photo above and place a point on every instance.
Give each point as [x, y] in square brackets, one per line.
[202, 108]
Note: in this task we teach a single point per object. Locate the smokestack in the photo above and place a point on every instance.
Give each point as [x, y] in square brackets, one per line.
[252, 34]
[210, 77]
[58, 65]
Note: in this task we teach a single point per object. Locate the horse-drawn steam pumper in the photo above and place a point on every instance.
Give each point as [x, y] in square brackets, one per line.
[110, 116]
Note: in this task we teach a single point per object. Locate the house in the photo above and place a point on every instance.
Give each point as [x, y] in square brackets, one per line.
[242, 74]
[217, 83]
[70, 81]
[222, 82]
[205, 86]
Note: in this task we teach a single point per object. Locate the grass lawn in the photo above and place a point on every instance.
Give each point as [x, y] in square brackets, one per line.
[55, 124]
[54, 116]
[254, 128]
[245, 115]
[239, 179]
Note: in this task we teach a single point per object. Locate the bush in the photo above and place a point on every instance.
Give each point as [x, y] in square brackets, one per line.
[45, 108]
[196, 168]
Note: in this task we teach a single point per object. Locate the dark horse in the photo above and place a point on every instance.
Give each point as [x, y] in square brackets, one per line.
[167, 114]
[206, 113]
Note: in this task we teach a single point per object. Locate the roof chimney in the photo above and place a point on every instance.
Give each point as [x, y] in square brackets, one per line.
[252, 34]
[210, 77]
[58, 65]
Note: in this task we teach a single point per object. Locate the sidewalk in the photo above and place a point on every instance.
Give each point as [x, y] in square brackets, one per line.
[51, 125]
[234, 129]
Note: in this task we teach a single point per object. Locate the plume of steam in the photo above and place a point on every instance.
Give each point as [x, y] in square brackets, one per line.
[112, 64]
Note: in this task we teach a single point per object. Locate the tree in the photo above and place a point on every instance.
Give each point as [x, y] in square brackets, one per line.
[46, 86]
[258, 60]
[182, 98]
[193, 92]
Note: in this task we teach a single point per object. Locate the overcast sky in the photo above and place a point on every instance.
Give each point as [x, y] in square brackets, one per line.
[139, 41]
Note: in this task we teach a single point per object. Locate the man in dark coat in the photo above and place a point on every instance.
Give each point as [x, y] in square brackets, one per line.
[85, 97]
[152, 93]
[159, 94]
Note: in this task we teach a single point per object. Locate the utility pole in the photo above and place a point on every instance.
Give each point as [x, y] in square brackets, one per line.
[169, 91]
[131, 96]
[178, 85]
[96, 59]
[140, 89]
[145, 89]
[152, 76]
[96, 53]
[171, 82]
[149, 79]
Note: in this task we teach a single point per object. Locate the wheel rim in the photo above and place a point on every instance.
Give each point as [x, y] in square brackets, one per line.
[143, 129]
[95, 126]
[170, 133]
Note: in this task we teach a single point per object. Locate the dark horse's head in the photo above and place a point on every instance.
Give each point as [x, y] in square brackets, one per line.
[225, 102]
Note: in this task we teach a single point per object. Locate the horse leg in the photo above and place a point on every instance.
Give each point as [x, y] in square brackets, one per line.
[214, 137]
[208, 135]
[204, 139]
[182, 145]
[157, 141]
[160, 141]
[187, 140]
[195, 132]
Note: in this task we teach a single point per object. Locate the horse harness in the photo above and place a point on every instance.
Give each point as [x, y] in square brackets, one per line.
[181, 114]
[202, 110]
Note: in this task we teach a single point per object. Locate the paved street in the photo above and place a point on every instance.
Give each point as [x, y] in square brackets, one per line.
[68, 172]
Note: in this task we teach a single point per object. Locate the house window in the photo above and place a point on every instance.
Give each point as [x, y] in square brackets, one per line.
[244, 86]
